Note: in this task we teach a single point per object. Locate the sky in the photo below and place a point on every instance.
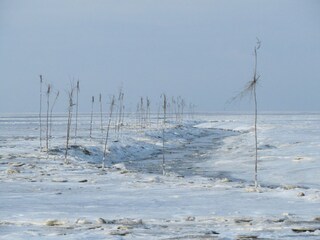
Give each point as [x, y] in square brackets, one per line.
[201, 50]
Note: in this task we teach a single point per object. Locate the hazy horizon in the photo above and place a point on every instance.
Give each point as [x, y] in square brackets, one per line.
[200, 50]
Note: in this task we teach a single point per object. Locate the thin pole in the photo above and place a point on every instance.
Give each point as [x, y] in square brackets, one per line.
[256, 139]
[69, 122]
[255, 79]
[40, 113]
[48, 106]
[107, 136]
[163, 128]
[101, 124]
[92, 102]
[50, 133]
[75, 134]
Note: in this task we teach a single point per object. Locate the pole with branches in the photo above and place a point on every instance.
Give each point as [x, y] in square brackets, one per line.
[251, 88]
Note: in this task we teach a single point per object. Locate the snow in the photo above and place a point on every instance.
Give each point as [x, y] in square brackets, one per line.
[207, 192]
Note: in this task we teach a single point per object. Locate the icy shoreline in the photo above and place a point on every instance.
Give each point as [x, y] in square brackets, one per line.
[207, 193]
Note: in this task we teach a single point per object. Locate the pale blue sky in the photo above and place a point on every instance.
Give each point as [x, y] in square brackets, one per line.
[199, 49]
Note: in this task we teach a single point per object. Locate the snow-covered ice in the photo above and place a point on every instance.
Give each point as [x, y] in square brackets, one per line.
[207, 192]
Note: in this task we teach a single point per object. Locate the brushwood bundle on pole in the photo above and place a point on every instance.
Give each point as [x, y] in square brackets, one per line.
[253, 85]
[251, 89]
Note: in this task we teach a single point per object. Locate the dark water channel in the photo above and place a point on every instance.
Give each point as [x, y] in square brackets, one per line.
[185, 158]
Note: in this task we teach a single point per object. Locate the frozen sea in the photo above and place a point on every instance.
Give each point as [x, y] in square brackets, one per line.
[206, 193]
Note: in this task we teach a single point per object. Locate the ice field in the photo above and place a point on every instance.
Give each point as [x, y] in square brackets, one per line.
[207, 192]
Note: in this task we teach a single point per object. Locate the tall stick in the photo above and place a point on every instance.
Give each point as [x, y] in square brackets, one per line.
[251, 89]
[183, 104]
[120, 112]
[255, 79]
[123, 112]
[77, 109]
[148, 112]
[163, 128]
[48, 106]
[138, 115]
[92, 102]
[70, 108]
[158, 114]
[108, 128]
[55, 100]
[101, 122]
[40, 113]
[141, 112]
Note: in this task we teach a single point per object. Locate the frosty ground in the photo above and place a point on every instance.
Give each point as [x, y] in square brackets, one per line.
[207, 192]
